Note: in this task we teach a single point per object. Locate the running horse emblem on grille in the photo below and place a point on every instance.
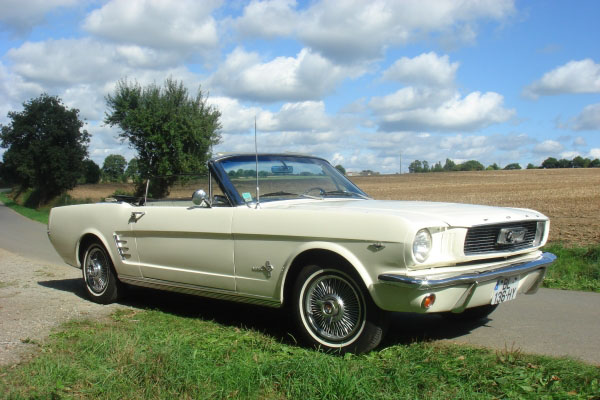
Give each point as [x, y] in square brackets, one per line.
[511, 235]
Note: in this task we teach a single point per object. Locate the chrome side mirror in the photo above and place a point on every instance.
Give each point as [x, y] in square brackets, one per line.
[199, 198]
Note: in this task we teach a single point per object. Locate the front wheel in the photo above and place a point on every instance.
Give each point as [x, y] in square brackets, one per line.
[99, 275]
[333, 312]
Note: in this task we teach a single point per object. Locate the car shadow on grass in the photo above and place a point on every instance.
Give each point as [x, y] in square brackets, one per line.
[404, 328]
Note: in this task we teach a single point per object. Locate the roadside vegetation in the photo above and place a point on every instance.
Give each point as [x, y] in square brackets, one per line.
[155, 354]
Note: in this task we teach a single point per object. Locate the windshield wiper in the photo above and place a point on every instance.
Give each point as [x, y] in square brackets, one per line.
[347, 194]
[280, 193]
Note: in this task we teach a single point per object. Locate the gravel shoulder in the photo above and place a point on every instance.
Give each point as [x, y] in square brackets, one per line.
[35, 299]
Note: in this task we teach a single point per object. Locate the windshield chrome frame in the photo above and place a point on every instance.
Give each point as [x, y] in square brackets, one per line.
[216, 166]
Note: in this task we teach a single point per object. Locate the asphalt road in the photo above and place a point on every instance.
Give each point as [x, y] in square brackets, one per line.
[551, 322]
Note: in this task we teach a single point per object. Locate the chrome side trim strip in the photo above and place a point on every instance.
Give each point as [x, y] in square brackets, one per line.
[426, 284]
[198, 291]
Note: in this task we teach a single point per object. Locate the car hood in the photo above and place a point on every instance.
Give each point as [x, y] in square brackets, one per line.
[452, 214]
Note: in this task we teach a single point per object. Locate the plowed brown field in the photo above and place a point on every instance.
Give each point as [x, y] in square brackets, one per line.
[570, 197]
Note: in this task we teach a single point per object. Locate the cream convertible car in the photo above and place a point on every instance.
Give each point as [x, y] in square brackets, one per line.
[297, 233]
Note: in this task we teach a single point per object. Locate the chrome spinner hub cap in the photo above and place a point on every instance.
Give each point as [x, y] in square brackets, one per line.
[333, 308]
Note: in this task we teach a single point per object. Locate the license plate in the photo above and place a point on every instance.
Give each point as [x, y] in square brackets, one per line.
[505, 289]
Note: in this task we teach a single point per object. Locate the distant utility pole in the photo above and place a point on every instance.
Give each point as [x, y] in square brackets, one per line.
[400, 163]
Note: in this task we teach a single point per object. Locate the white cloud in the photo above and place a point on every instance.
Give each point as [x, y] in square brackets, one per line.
[410, 110]
[65, 63]
[588, 119]
[14, 91]
[307, 116]
[239, 119]
[427, 69]
[579, 141]
[307, 76]
[569, 155]
[185, 25]
[548, 147]
[268, 19]
[19, 17]
[354, 30]
[573, 77]
[595, 153]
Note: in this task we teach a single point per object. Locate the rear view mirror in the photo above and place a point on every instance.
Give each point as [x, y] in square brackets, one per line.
[282, 170]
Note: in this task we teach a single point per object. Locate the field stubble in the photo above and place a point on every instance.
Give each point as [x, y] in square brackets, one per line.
[570, 197]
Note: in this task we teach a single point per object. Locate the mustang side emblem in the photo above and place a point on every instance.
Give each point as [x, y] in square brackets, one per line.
[267, 268]
[511, 236]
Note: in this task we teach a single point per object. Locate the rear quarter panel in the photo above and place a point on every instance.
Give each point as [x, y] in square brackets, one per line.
[69, 224]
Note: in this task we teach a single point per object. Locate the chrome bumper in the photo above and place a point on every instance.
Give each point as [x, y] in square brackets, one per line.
[473, 280]
[466, 279]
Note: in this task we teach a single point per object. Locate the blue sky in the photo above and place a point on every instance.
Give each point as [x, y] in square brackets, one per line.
[357, 82]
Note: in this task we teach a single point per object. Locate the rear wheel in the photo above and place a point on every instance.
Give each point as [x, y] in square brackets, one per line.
[99, 275]
[472, 314]
[333, 312]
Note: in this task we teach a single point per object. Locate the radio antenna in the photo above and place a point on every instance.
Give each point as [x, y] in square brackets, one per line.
[256, 153]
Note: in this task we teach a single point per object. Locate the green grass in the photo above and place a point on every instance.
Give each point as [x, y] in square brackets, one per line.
[576, 268]
[36, 215]
[153, 354]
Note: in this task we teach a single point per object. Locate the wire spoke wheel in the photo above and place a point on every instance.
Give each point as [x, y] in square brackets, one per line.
[333, 308]
[96, 270]
[99, 276]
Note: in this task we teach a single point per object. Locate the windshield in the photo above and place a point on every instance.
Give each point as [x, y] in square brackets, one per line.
[283, 177]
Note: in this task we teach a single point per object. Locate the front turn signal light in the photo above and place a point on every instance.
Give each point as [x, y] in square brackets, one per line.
[428, 301]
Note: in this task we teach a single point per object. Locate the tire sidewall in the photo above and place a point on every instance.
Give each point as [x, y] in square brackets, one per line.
[110, 292]
[365, 338]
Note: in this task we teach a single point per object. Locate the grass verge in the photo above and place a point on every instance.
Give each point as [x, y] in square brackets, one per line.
[36, 215]
[153, 354]
[575, 268]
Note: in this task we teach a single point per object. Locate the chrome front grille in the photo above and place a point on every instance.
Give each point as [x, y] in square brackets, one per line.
[485, 238]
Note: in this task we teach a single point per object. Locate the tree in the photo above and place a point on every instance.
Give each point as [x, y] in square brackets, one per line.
[550, 162]
[564, 163]
[415, 166]
[531, 166]
[449, 165]
[580, 162]
[172, 132]
[91, 172]
[438, 167]
[133, 171]
[512, 166]
[595, 163]
[113, 168]
[493, 167]
[340, 168]
[45, 146]
[471, 165]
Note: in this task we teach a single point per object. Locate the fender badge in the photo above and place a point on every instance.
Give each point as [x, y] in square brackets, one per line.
[267, 268]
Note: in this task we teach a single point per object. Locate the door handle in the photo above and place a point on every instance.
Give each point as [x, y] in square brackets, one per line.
[136, 215]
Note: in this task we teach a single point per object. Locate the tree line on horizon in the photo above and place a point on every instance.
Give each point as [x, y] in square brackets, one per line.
[418, 166]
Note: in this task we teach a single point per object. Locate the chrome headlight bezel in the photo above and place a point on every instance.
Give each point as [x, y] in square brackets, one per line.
[422, 245]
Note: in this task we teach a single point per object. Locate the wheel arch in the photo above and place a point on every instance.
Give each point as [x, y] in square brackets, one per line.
[85, 240]
[316, 255]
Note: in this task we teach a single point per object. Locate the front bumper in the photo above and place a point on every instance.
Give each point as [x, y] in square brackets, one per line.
[471, 281]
